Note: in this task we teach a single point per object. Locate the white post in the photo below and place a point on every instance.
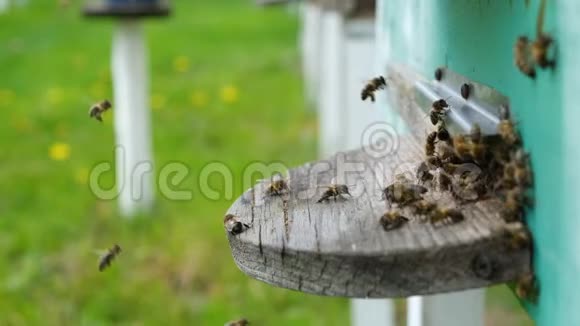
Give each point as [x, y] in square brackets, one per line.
[452, 309]
[132, 125]
[310, 38]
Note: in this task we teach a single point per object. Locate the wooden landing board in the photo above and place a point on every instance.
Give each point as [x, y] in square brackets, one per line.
[340, 249]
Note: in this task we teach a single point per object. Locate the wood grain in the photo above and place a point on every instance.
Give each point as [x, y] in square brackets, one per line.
[339, 248]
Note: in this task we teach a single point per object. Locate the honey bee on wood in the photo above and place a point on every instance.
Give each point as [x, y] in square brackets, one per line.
[278, 186]
[527, 287]
[506, 128]
[477, 148]
[423, 174]
[438, 110]
[403, 193]
[442, 214]
[462, 147]
[423, 207]
[523, 57]
[444, 182]
[372, 86]
[514, 203]
[108, 257]
[392, 220]
[334, 191]
[241, 322]
[233, 225]
[517, 236]
[98, 109]
[430, 142]
[442, 133]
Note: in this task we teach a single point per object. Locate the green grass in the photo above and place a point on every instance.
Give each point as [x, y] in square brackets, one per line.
[176, 268]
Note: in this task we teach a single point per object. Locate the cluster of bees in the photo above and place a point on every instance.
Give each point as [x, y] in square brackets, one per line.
[531, 53]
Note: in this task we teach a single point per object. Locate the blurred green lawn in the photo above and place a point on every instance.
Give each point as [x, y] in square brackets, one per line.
[225, 86]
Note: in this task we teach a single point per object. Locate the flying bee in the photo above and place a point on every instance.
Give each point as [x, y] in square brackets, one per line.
[441, 214]
[523, 57]
[233, 225]
[423, 207]
[430, 142]
[392, 220]
[517, 236]
[278, 186]
[527, 287]
[108, 257]
[241, 322]
[372, 86]
[98, 109]
[403, 193]
[438, 110]
[335, 191]
[540, 51]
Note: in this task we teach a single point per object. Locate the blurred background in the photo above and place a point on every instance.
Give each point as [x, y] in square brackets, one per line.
[225, 85]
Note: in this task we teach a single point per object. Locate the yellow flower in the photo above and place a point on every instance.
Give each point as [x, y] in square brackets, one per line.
[6, 97]
[181, 63]
[157, 101]
[59, 151]
[82, 176]
[199, 99]
[229, 94]
[54, 95]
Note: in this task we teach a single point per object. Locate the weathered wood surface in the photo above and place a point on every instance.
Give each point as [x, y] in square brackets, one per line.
[340, 249]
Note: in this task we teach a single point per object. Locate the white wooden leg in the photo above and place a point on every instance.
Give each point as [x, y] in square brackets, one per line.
[451, 309]
[311, 48]
[369, 312]
[132, 125]
[331, 102]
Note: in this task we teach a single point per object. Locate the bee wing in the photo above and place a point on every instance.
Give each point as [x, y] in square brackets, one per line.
[101, 253]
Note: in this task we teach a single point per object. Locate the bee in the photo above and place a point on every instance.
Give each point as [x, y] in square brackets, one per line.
[441, 214]
[542, 42]
[430, 142]
[442, 133]
[527, 287]
[433, 161]
[334, 191]
[438, 110]
[392, 220]
[241, 322]
[423, 207]
[233, 225]
[517, 237]
[506, 128]
[523, 57]
[277, 187]
[514, 202]
[423, 174]
[521, 170]
[444, 182]
[477, 148]
[108, 257]
[372, 86]
[462, 147]
[98, 109]
[403, 193]
[540, 51]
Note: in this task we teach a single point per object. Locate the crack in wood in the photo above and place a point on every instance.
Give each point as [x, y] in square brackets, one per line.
[286, 222]
[252, 207]
[300, 283]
